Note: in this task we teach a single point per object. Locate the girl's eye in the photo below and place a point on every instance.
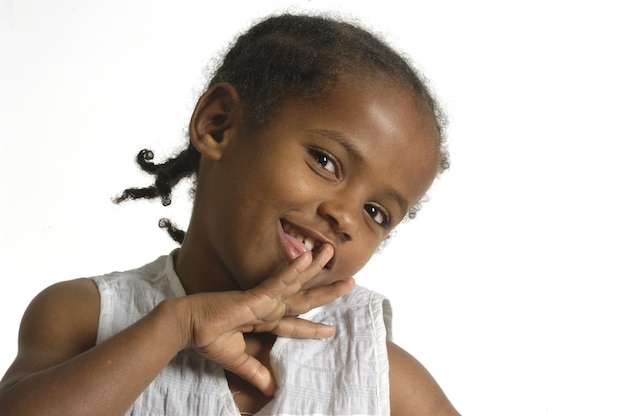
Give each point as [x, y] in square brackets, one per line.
[324, 160]
[377, 214]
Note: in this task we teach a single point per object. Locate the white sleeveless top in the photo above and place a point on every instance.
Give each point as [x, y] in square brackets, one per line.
[347, 374]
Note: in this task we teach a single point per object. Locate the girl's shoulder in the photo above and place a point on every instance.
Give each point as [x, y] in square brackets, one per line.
[60, 323]
[62, 315]
[413, 390]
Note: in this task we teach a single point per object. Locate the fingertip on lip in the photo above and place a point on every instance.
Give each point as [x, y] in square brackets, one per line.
[330, 247]
[331, 261]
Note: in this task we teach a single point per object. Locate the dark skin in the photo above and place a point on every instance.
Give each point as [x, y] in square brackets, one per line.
[316, 169]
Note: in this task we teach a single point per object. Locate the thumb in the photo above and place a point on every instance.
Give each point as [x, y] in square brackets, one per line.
[256, 374]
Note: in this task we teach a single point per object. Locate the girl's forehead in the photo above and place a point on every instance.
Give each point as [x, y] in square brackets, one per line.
[382, 115]
[383, 127]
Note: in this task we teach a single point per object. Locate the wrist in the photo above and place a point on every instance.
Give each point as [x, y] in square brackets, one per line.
[173, 314]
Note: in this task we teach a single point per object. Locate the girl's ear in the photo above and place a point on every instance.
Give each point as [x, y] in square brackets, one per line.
[216, 112]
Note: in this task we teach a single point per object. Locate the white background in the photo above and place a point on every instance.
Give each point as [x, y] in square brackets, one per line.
[509, 285]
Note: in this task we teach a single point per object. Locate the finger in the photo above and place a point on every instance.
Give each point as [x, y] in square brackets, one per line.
[319, 260]
[310, 265]
[255, 373]
[289, 279]
[306, 300]
[293, 327]
[323, 256]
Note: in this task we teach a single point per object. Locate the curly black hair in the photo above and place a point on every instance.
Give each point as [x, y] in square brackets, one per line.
[284, 57]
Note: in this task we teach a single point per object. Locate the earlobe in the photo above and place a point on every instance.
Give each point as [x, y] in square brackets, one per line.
[215, 114]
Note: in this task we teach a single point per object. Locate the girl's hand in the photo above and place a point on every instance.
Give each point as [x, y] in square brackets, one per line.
[214, 323]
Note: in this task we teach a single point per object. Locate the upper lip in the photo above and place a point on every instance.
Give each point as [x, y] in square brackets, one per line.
[318, 237]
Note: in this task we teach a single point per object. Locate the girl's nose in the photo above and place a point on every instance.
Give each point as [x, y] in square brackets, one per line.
[342, 217]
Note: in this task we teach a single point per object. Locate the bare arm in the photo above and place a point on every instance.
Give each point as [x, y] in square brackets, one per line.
[413, 390]
[59, 371]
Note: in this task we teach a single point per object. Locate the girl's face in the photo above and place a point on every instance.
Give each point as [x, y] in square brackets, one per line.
[343, 170]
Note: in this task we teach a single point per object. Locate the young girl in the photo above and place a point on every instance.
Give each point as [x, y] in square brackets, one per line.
[311, 143]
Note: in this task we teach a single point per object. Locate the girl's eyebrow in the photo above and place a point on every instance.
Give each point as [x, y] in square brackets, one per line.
[342, 140]
[356, 154]
[400, 200]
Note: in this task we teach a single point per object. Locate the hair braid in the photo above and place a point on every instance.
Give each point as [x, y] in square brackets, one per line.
[167, 175]
[176, 233]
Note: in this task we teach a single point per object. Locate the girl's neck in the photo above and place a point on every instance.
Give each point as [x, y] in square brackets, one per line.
[198, 273]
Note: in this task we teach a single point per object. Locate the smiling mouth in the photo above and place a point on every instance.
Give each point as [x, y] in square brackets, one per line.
[295, 242]
[308, 242]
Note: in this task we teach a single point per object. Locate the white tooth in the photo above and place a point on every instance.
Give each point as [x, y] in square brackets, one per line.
[309, 243]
